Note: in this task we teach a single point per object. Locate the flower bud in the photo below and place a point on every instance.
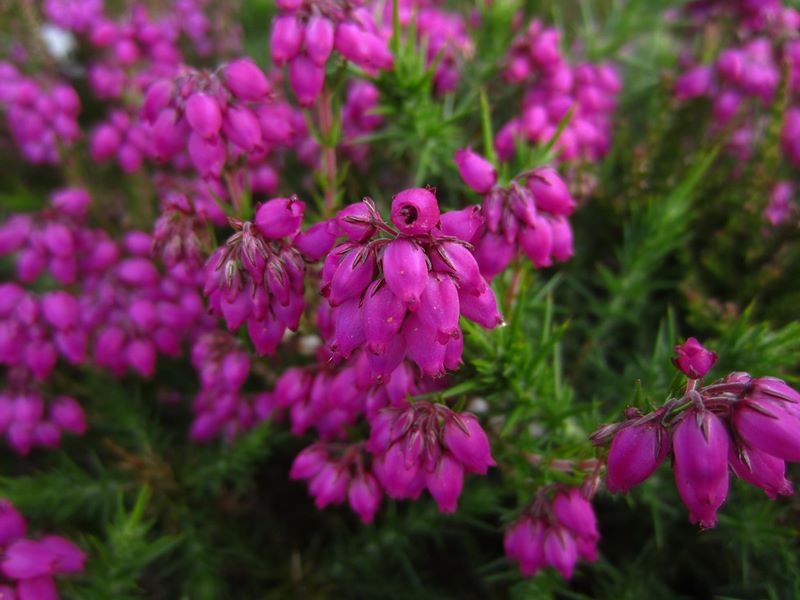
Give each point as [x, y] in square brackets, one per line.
[477, 172]
[242, 128]
[383, 317]
[279, 217]
[286, 39]
[466, 440]
[61, 310]
[308, 462]
[481, 308]
[445, 483]
[207, 154]
[462, 224]
[635, 454]
[364, 496]
[761, 470]
[560, 551]
[204, 114]
[356, 221]
[352, 276]
[319, 34]
[12, 523]
[68, 415]
[316, 241]
[246, 80]
[306, 78]
[405, 270]
[550, 192]
[693, 359]
[700, 446]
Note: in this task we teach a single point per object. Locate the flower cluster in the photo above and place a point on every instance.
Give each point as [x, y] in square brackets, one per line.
[443, 34]
[305, 33]
[220, 405]
[337, 472]
[751, 425]
[257, 278]
[429, 446]
[530, 216]
[125, 138]
[554, 533]
[217, 116]
[29, 565]
[401, 295]
[41, 115]
[554, 87]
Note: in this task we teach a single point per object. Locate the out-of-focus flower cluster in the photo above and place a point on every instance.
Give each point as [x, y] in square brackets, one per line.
[553, 87]
[30, 565]
[743, 83]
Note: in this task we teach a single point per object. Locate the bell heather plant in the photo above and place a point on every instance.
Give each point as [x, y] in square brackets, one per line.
[333, 298]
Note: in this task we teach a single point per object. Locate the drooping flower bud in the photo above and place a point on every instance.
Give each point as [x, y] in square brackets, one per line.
[635, 454]
[700, 446]
[280, 217]
[477, 172]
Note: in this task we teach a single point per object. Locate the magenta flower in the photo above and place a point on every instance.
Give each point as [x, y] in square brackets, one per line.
[700, 446]
[693, 359]
[477, 172]
[636, 452]
[413, 450]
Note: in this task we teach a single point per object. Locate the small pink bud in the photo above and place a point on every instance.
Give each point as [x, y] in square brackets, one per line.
[445, 483]
[306, 78]
[280, 217]
[693, 359]
[61, 310]
[286, 39]
[462, 224]
[405, 270]
[207, 154]
[242, 128]
[576, 514]
[560, 551]
[364, 496]
[383, 313]
[356, 221]
[481, 308]
[477, 172]
[308, 462]
[635, 454]
[550, 192]
[319, 34]
[466, 440]
[204, 114]
[246, 80]
[12, 523]
[352, 276]
[316, 241]
[67, 414]
[761, 470]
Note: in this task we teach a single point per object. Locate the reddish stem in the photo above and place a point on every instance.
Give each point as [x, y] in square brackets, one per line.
[328, 151]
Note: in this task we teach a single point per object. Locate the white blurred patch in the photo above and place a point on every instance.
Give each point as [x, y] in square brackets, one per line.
[60, 43]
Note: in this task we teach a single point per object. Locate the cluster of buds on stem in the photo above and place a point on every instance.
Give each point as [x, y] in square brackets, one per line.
[428, 445]
[750, 425]
[337, 472]
[554, 531]
[530, 215]
[305, 33]
[257, 278]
